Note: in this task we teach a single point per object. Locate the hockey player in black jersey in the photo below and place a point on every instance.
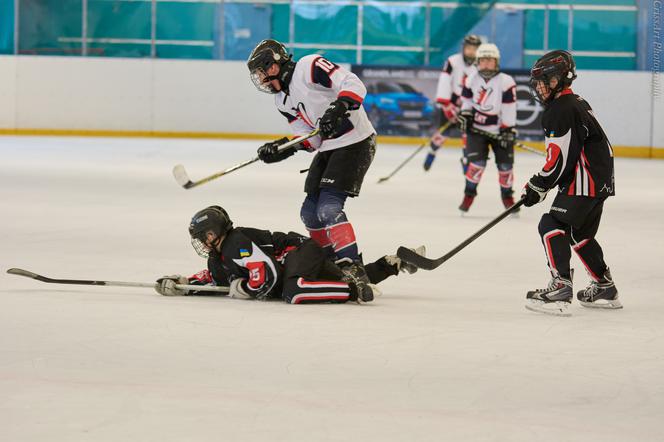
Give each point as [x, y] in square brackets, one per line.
[580, 162]
[314, 92]
[259, 264]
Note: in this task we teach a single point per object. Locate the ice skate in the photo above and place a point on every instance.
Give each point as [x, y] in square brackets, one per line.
[600, 294]
[428, 161]
[356, 277]
[555, 299]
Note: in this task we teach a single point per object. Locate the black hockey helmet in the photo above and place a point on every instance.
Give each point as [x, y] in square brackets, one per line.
[211, 219]
[470, 40]
[557, 64]
[264, 55]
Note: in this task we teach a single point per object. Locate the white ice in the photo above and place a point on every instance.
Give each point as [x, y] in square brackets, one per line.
[446, 355]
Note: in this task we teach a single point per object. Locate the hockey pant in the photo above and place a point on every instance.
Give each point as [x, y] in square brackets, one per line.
[476, 154]
[573, 222]
[311, 277]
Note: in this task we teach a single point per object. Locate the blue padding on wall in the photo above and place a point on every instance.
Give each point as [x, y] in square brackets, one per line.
[6, 26]
[493, 25]
[246, 25]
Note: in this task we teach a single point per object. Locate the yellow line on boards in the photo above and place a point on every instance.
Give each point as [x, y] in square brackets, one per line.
[619, 151]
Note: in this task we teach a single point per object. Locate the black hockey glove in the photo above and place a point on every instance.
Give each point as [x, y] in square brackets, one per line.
[507, 137]
[269, 152]
[465, 119]
[335, 121]
[533, 193]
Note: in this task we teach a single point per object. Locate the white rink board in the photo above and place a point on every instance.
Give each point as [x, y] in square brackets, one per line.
[444, 355]
[143, 95]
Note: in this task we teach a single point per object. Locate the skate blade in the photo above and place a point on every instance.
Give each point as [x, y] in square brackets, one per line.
[603, 304]
[559, 308]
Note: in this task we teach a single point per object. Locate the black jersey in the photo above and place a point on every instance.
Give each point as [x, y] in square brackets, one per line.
[579, 156]
[257, 256]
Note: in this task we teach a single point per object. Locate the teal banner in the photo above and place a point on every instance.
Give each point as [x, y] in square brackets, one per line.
[6, 26]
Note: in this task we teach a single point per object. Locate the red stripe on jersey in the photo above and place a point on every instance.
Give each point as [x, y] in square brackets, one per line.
[353, 96]
[256, 274]
[591, 182]
[572, 186]
[566, 91]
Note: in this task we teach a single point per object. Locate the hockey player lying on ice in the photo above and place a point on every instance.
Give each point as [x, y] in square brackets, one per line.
[259, 264]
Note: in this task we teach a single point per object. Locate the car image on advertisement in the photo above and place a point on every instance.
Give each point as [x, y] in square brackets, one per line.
[397, 108]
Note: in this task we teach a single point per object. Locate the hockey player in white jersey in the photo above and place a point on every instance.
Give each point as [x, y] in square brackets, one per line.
[448, 93]
[314, 92]
[488, 104]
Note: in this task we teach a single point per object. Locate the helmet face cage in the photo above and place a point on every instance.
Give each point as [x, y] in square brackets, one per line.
[557, 64]
[214, 220]
[266, 53]
[201, 248]
[262, 81]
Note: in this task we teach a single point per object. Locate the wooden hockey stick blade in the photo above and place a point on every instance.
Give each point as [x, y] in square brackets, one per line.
[32, 275]
[425, 263]
[181, 176]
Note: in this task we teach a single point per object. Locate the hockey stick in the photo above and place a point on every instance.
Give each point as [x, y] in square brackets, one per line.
[517, 144]
[198, 288]
[183, 179]
[441, 129]
[429, 264]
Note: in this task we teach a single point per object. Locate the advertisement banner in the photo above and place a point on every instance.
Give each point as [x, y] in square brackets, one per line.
[400, 101]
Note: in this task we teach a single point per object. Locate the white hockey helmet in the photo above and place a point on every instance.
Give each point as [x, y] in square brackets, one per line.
[488, 50]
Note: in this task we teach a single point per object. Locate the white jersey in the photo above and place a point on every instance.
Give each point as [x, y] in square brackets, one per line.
[316, 82]
[450, 82]
[494, 101]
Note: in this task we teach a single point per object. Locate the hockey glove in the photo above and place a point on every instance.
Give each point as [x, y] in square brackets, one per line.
[449, 110]
[269, 152]
[236, 291]
[507, 137]
[166, 285]
[465, 119]
[335, 121]
[532, 193]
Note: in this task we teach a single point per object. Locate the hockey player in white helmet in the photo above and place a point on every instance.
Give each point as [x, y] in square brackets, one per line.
[488, 104]
[448, 93]
[315, 92]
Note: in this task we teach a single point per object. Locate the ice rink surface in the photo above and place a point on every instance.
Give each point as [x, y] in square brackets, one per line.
[446, 355]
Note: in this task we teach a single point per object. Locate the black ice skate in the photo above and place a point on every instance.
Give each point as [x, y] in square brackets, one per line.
[466, 203]
[600, 294]
[404, 266]
[356, 276]
[553, 300]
